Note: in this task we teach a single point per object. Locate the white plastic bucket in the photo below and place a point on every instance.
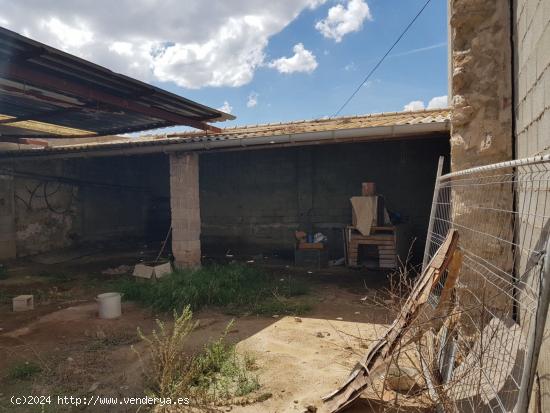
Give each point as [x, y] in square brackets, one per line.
[109, 305]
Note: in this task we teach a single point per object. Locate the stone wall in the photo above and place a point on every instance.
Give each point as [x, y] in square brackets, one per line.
[481, 128]
[481, 82]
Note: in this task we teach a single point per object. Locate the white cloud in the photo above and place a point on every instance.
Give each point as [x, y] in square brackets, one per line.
[193, 44]
[68, 37]
[438, 102]
[226, 107]
[252, 100]
[414, 105]
[342, 20]
[350, 67]
[313, 4]
[122, 48]
[302, 61]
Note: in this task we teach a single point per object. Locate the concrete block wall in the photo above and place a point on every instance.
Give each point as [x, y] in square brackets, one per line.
[532, 115]
[46, 212]
[253, 201]
[532, 76]
[185, 209]
[73, 214]
[7, 219]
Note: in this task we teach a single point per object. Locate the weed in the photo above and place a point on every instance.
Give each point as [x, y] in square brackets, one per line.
[5, 298]
[216, 372]
[281, 307]
[170, 372]
[235, 287]
[23, 370]
[220, 371]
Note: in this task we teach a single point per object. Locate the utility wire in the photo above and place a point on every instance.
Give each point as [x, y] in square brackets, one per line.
[382, 59]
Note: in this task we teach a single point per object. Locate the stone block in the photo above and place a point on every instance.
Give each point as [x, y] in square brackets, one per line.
[23, 302]
[152, 270]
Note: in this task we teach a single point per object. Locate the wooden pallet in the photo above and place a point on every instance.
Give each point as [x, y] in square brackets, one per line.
[382, 237]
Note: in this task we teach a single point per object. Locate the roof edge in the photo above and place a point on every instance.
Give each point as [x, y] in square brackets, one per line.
[218, 143]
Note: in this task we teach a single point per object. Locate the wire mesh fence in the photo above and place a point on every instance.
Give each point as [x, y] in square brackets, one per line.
[503, 217]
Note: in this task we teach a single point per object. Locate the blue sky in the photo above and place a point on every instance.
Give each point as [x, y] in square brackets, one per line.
[221, 51]
[416, 70]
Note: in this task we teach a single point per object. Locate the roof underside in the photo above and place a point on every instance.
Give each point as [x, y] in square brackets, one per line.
[400, 125]
[46, 93]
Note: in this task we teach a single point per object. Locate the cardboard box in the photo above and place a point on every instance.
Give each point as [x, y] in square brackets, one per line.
[368, 189]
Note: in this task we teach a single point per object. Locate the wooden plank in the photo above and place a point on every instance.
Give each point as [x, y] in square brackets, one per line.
[379, 354]
[378, 228]
[311, 246]
[381, 237]
[372, 242]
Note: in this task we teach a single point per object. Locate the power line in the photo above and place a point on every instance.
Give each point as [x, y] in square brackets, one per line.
[382, 59]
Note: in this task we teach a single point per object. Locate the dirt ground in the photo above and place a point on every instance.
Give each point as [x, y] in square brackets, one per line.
[299, 359]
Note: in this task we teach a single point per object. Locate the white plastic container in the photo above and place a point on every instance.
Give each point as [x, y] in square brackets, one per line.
[109, 305]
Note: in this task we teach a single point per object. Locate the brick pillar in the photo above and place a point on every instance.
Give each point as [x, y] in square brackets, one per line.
[185, 206]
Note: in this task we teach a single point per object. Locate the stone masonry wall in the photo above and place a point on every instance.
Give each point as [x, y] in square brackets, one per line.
[185, 206]
[481, 123]
[481, 127]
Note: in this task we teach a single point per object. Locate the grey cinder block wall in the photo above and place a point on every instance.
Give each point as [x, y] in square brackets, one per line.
[531, 74]
[253, 201]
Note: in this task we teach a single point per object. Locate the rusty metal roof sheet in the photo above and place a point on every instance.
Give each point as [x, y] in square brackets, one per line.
[46, 93]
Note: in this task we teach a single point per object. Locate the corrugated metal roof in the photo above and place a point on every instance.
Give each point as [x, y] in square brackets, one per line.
[381, 126]
[47, 93]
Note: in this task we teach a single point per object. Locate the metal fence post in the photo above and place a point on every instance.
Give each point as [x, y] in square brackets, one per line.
[432, 213]
[535, 339]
